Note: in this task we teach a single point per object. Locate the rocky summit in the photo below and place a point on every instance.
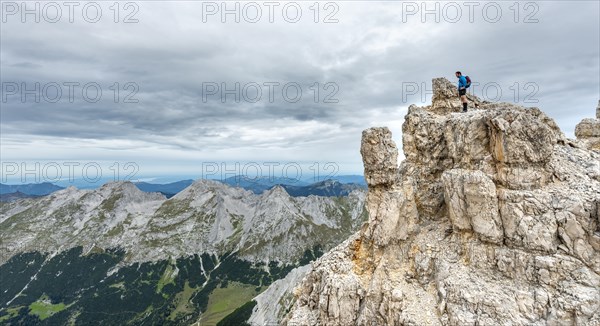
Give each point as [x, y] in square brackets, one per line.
[493, 218]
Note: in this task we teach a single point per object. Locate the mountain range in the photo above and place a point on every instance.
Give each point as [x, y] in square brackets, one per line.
[117, 254]
[38, 189]
[337, 186]
[12, 196]
[168, 189]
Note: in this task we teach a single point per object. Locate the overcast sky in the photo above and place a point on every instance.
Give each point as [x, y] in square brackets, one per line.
[361, 55]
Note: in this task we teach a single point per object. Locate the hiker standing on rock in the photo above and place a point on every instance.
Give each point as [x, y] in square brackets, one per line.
[463, 84]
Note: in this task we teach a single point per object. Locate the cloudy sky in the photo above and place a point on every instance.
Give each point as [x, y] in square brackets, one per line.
[352, 61]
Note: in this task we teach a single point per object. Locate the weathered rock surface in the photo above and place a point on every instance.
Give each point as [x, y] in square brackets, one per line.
[588, 131]
[492, 219]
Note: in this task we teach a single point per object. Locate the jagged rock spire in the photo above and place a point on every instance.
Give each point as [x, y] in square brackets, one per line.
[380, 156]
[493, 218]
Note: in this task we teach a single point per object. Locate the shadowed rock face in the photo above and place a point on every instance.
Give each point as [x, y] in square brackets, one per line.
[493, 218]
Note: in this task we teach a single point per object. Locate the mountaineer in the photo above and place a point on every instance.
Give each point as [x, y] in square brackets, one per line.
[463, 84]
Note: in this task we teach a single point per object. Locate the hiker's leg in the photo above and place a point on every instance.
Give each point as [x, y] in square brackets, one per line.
[463, 98]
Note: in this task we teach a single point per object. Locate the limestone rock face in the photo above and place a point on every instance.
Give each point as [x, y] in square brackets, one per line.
[588, 128]
[492, 219]
[382, 167]
[472, 203]
[588, 131]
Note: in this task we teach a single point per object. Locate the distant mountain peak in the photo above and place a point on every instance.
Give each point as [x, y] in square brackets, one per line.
[329, 182]
[277, 190]
[119, 185]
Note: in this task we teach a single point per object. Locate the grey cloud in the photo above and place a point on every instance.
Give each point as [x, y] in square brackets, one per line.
[370, 54]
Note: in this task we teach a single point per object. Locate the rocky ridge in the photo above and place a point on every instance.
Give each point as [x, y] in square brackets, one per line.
[206, 217]
[493, 218]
